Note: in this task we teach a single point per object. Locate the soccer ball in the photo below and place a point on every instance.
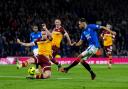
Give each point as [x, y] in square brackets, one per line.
[32, 70]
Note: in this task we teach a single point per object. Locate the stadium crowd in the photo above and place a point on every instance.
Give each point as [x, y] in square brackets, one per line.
[17, 17]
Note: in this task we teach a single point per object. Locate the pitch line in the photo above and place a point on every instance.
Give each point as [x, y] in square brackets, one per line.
[23, 77]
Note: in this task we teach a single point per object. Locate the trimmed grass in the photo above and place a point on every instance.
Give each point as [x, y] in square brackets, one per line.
[77, 78]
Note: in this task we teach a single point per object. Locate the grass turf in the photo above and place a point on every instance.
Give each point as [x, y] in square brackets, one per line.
[77, 78]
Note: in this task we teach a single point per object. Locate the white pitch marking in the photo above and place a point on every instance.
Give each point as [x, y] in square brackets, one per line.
[63, 78]
[24, 77]
[11, 77]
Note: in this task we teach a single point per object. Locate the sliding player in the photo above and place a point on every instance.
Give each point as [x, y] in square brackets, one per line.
[107, 39]
[89, 33]
[44, 55]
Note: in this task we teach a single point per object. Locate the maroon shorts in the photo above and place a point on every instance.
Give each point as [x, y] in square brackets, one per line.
[43, 61]
[108, 50]
[55, 51]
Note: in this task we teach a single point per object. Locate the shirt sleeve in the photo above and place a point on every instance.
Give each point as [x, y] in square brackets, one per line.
[35, 42]
[95, 26]
[82, 37]
[40, 34]
[30, 37]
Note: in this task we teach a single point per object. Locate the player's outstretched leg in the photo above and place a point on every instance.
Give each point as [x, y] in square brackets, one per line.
[25, 63]
[84, 56]
[66, 69]
[87, 66]
[56, 62]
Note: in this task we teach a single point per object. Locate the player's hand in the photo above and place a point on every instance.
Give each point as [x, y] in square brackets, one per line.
[18, 41]
[101, 35]
[72, 44]
[44, 26]
[114, 33]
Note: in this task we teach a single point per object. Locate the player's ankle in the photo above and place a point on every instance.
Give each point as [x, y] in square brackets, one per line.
[91, 72]
[66, 69]
[19, 66]
[59, 65]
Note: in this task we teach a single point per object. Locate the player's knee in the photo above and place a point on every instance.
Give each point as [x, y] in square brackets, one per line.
[82, 61]
[80, 56]
[77, 60]
[47, 74]
[31, 60]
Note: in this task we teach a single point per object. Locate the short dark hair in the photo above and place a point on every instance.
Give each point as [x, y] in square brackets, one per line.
[34, 25]
[58, 19]
[82, 20]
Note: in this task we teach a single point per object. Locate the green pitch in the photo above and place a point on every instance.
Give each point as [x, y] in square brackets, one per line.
[77, 78]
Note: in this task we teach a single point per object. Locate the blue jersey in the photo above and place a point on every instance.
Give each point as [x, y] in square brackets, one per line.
[33, 37]
[90, 34]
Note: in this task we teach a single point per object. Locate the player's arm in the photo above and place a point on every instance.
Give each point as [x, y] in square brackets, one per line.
[113, 37]
[68, 39]
[105, 28]
[101, 35]
[79, 43]
[48, 32]
[25, 44]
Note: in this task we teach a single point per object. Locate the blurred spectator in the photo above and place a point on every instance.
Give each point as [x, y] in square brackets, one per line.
[17, 16]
